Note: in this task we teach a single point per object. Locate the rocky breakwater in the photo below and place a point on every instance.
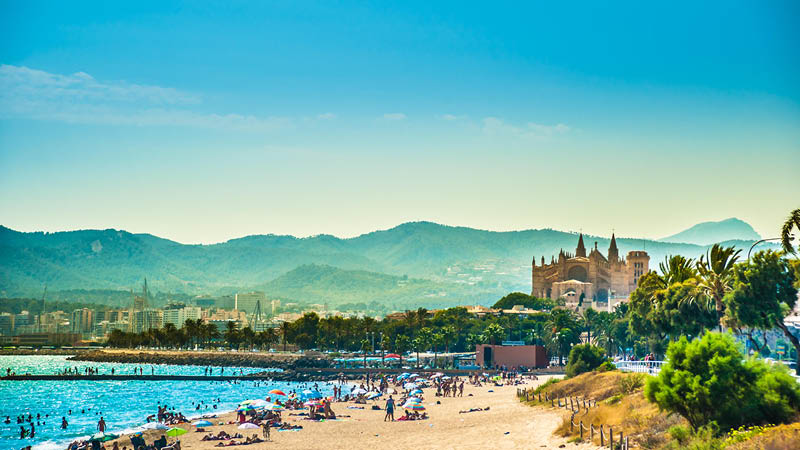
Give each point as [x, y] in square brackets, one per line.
[225, 359]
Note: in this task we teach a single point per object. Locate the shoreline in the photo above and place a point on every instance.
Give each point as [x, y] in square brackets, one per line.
[506, 423]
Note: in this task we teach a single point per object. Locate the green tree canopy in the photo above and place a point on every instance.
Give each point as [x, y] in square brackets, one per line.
[528, 301]
[709, 382]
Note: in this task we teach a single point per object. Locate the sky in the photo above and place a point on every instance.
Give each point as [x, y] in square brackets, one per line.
[205, 121]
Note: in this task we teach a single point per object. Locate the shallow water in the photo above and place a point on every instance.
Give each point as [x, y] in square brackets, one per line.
[123, 404]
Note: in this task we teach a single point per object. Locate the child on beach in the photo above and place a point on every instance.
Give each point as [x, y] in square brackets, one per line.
[265, 430]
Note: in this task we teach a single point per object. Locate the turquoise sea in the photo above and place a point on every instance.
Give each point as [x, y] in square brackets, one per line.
[123, 404]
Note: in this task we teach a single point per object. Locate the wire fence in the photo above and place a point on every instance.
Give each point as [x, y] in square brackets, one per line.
[604, 432]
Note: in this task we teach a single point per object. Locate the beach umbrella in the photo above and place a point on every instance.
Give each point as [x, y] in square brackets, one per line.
[277, 392]
[392, 355]
[409, 386]
[413, 375]
[313, 403]
[257, 403]
[273, 407]
[155, 426]
[360, 391]
[414, 407]
[372, 395]
[445, 378]
[102, 437]
[203, 423]
[175, 432]
[248, 426]
[245, 408]
[413, 400]
[416, 392]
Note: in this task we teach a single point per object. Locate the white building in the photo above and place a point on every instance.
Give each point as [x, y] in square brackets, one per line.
[179, 316]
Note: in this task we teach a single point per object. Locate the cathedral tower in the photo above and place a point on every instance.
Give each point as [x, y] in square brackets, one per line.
[581, 250]
[613, 252]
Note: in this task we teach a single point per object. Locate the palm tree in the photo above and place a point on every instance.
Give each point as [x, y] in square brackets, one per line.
[589, 319]
[386, 344]
[793, 221]
[365, 346]
[231, 334]
[448, 335]
[715, 270]
[401, 345]
[285, 328]
[192, 330]
[676, 269]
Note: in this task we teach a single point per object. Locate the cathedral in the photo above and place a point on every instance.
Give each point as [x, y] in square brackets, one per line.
[594, 278]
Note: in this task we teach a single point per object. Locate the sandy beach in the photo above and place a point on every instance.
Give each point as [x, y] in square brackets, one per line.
[508, 424]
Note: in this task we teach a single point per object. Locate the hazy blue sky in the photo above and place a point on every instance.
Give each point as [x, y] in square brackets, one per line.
[202, 123]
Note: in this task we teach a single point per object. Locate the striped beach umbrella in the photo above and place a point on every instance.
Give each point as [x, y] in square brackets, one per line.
[277, 392]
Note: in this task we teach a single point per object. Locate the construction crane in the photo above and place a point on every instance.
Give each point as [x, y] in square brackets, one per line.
[41, 313]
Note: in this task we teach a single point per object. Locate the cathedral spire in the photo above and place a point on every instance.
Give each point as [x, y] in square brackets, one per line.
[581, 250]
[613, 252]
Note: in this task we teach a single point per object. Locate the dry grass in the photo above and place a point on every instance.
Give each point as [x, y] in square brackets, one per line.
[783, 437]
[629, 413]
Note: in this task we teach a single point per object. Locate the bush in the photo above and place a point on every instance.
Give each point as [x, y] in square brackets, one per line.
[545, 385]
[607, 366]
[628, 384]
[709, 383]
[584, 358]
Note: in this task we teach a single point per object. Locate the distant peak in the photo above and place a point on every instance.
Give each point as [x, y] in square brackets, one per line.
[707, 233]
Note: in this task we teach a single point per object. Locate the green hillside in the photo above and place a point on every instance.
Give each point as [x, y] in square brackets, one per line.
[459, 261]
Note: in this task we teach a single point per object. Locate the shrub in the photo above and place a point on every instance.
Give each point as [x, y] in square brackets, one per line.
[630, 383]
[584, 358]
[607, 366]
[545, 385]
[709, 383]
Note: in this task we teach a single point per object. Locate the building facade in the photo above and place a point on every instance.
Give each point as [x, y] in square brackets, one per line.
[593, 278]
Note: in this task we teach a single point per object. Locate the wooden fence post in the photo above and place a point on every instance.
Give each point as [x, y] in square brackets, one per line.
[581, 424]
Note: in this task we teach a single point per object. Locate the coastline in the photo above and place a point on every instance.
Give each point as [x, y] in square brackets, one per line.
[506, 424]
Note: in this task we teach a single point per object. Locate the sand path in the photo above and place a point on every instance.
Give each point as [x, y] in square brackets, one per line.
[508, 424]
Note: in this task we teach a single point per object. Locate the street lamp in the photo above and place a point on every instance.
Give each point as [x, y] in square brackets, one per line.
[758, 242]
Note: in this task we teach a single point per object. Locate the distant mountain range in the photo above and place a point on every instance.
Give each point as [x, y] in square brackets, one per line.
[417, 263]
[708, 233]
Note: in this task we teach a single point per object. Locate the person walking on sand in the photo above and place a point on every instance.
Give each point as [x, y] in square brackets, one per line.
[389, 409]
[265, 430]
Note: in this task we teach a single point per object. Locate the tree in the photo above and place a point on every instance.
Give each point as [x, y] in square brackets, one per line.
[709, 382]
[528, 301]
[590, 320]
[676, 269]
[584, 358]
[231, 334]
[365, 346]
[437, 339]
[793, 221]
[494, 333]
[764, 294]
[401, 346]
[385, 344]
[715, 272]
[448, 333]
[561, 331]
[285, 329]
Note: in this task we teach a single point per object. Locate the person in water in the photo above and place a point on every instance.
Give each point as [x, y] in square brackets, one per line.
[101, 425]
[64, 423]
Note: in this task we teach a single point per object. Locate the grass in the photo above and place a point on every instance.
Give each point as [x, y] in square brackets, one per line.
[620, 404]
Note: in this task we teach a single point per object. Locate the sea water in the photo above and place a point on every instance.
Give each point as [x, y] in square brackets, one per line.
[124, 405]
